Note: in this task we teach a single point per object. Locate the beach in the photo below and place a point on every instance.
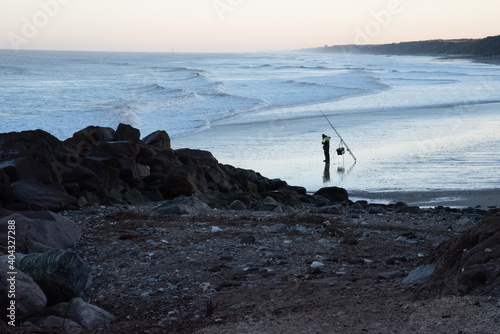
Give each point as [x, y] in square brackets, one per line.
[425, 157]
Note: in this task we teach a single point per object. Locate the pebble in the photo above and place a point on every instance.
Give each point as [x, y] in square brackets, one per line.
[317, 264]
[488, 250]
[216, 229]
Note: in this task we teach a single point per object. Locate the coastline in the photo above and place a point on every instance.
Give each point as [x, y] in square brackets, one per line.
[286, 147]
[483, 199]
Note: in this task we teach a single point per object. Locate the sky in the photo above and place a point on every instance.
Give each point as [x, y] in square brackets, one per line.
[237, 25]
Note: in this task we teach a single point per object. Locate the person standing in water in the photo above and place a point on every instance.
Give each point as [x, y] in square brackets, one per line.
[326, 147]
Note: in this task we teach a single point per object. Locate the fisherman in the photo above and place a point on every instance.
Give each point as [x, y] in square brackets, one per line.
[326, 147]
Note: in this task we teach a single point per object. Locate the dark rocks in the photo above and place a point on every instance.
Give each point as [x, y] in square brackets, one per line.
[62, 275]
[160, 140]
[40, 232]
[38, 196]
[469, 263]
[102, 166]
[125, 132]
[29, 298]
[333, 194]
[420, 274]
[87, 315]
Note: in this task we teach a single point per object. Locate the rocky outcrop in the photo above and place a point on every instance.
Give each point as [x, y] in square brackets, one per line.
[469, 263]
[103, 166]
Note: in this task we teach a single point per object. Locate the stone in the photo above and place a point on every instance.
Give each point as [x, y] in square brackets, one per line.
[278, 228]
[55, 323]
[62, 275]
[126, 132]
[29, 297]
[198, 158]
[390, 274]
[160, 140]
[184, 205]
[84, 141]
[463, 265]
[420, 274]
[182, 182]
[317, 264]
[52, 232]
[215, 229]
[39, 196]
[333, 194]
[237, 205]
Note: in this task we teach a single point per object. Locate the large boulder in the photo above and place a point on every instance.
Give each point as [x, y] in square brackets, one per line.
[84, 141]
[126, 132]
[39, 196]
[469, 263]
[62, 275]
[51, 231]
[182, 181]
[29, 298]
[159, 140]
[333, 194]
[196, 158]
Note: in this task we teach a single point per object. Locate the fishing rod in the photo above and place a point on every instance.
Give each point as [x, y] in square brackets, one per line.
[338, 134]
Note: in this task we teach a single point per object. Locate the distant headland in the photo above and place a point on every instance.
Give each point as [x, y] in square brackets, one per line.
[486, 47]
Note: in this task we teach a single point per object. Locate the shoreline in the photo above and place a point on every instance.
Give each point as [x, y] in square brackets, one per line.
[481, 198]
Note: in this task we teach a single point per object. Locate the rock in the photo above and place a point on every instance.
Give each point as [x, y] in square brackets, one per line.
[390, 274]
[333, 194]
[247, 239]
[55, 232]
[160, 140]
[317, 264]
[87, 315]
[62, 275]
[125, 132]
[55, 322]
[182, 182]
[314, 270]
[237, 205]
[184, 205]
[38, 196]
[84, 141]
[29, 297]
[463, 266]
[215, 229]
[117, 149]
[377, 209]
[278, 228]
[198, 158]
[42, 231]
[420, 275]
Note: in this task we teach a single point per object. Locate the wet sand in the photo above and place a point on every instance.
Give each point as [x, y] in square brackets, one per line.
[484, 199]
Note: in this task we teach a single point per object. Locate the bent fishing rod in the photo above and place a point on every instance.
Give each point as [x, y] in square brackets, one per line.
[338, 134]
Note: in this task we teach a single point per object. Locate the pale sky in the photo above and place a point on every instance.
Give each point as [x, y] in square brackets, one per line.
[237, 25]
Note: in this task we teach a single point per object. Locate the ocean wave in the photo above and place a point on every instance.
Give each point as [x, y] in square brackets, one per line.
[13, 70]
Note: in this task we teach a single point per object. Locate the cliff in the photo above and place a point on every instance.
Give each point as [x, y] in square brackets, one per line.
[487, 47]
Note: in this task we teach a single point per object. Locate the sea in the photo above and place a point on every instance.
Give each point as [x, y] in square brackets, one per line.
[410, 122]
